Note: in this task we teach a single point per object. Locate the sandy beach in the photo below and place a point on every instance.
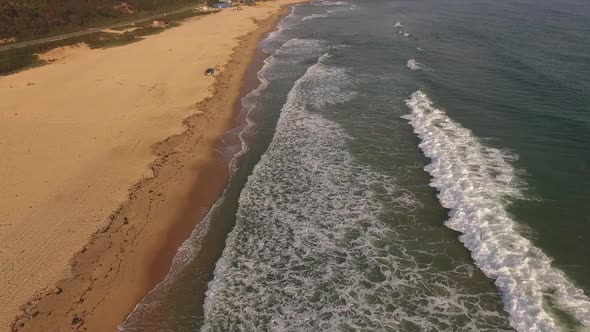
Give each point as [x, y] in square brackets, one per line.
[108, 163]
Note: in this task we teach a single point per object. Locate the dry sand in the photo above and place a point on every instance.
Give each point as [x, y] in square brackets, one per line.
[81, 235]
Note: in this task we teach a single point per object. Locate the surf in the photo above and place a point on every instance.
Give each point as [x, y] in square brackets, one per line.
[477, 183]
[313, 247]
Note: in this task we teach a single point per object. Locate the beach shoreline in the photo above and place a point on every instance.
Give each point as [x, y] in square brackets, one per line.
[132, 252]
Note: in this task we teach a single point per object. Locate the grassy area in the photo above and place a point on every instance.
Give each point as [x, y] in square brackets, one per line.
[14, 60]
[125, 27]
[155, 8]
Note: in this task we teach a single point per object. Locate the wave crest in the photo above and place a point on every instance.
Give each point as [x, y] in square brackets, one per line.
[475, 182]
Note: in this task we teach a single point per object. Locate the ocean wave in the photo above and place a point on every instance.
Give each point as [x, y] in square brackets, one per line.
[312, 16]
[334, 3]
[293, 48]
[476, 183]
[414, 65]
[279, 36]
[341, 9]
[301, 46]
[310, 251]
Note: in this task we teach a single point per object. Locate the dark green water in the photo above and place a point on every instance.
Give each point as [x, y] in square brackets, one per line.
[406, 166]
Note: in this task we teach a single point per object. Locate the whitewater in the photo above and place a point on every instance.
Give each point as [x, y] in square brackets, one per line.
[477, 182]
[357, 202]
[311, 248]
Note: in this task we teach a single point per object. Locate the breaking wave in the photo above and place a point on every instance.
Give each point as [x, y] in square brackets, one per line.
[312, 16]
[334, 3]
[476, 183]
[312, 248]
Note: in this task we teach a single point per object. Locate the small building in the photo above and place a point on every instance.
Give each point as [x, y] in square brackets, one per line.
[161, 23]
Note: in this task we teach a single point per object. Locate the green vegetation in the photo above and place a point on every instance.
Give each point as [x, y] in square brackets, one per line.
[31, 19]
[17, 59]
[13, 60]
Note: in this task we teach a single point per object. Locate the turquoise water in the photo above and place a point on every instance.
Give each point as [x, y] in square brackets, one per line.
[404, 166]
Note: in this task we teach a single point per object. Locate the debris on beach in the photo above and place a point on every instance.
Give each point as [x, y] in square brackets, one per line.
[209, 71]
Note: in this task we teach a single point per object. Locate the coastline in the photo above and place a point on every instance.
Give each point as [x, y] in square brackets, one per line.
[132, 252]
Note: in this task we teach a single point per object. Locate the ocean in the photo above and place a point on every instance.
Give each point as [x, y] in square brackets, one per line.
[401, 165]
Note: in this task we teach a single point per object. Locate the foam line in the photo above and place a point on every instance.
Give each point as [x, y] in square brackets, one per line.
[477, 182]
[310, 251]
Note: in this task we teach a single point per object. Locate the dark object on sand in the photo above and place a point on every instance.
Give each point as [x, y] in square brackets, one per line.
[221, 5]
[209, 71]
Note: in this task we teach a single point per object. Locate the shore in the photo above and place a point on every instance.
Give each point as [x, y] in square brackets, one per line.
[95, 199]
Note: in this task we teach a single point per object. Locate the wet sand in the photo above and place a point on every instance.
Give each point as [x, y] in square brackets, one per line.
[85, 138]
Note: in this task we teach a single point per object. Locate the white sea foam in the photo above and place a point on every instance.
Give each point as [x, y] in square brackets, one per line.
[334, 3]
[403, 33]
[399, 25]
[312, 16]
[277, 37]
[476, 182]
[293, 48]
[341, 9]
[414, 65]
[277, 34]
[309, 250]
[299, 46]
[336, 6]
